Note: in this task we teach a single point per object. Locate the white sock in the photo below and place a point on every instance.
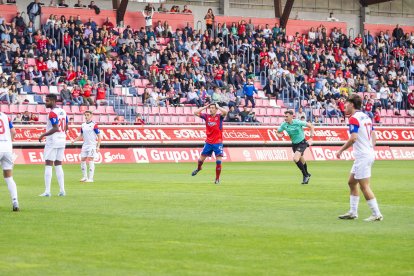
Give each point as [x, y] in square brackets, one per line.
[48, 178]
[91, 169]
[60, 177]
[12, 188]
[84, 168]
[373, 205]
[353, 202]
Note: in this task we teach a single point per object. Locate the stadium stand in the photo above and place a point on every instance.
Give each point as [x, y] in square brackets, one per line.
[164, 70]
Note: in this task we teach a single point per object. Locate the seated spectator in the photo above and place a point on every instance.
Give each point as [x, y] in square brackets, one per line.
[186, 9]
[66, 96]
[194, 98]
[271, 90]
[94, 7]
[86, 93]
[139, 120]
[26, 117]
[300, 114]
[18, 119]
[162, 8]
[79, 4]
[233, 115]
[377, 116]
[245, 114]
[34, 118]
[101, 95]
[331, 110]
[411, 104]
[62, 4]
[4, 93]
[77, 94]
[50, 78]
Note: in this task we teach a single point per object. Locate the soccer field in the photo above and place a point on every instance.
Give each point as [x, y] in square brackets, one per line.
[155, 219]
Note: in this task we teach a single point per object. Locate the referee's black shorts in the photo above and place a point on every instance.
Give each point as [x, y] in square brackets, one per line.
[300, 147]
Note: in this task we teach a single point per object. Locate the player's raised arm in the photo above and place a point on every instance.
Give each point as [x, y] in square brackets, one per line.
[222, 110]
[197, 112]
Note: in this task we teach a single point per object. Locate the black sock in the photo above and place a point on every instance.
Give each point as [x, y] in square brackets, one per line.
[301, 167]
[306, 168]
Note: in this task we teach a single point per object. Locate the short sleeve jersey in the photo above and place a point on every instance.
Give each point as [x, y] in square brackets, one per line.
[361, 123]
[5, 135]
[90, 132]
[214, 128]
[57, 116]
[294, 130]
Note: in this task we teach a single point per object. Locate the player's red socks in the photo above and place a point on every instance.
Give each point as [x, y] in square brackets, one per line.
[218, 169]
[200, 164]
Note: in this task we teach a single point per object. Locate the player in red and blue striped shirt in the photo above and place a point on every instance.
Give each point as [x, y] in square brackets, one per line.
[214, 141]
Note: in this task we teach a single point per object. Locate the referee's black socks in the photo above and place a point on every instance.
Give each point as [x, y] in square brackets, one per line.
[301, 167]
[306, 168]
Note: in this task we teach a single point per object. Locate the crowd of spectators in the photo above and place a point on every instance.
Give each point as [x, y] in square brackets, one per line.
[220, 64]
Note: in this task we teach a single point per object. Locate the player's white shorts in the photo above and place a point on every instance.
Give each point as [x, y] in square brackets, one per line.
[88, 152]
[362, 167]
[6, 159]
[54, 154]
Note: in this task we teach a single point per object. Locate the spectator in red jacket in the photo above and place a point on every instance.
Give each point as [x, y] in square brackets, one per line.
[41, 64]
[87, 94]
[377, 116]
[101, 95]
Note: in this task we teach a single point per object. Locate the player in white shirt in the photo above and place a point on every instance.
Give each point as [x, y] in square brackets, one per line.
[362, 138]
[56, 127]
[91, 143]
[7, 134]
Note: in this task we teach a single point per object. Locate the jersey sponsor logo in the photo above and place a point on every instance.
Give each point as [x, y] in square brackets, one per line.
[141, 156]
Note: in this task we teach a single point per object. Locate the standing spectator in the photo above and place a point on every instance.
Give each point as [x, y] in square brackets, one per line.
[209, 20]
[398, 97]
[397, 34]
[148, 19]
[249, 90]
[34, 9]
[384, 94]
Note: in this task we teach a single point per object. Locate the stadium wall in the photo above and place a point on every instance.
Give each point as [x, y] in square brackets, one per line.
[175, 144]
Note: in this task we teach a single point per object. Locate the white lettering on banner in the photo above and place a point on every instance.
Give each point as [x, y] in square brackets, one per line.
[407, 134]
[271, 155]
[195, 154]
[325, 133]
[169, 155]
[109, 158]
[318, 154]
[189, 134]
[402, 154]
[34, 158]
[141, 155]
[383, 155]
[387, 135]
[239, 135]
[134, 134]
[272, 133]
[247, 155]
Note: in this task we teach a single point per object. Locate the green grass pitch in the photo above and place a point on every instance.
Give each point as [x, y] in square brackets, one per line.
[155, 219]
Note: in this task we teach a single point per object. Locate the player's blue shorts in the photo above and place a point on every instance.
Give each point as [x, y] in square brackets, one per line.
[209, 148]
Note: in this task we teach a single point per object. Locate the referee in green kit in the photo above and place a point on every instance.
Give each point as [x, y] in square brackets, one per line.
[294, 129]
